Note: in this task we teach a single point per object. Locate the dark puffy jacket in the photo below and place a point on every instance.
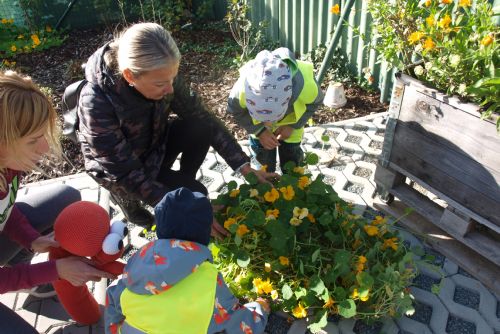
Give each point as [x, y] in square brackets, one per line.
[123, 134]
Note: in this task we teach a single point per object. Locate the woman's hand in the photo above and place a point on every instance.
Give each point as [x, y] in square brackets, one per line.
[268, 140]
[43, 243]
[78, 270]
[218, 231]
[262, 176]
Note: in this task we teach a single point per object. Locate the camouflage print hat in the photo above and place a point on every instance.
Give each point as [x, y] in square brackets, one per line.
[268, 87]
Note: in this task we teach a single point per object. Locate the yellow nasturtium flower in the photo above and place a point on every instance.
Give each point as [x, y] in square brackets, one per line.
[444, 22]
[329, 303]
[13, 48]
[371, 230]
[284, 260]
[428, 3]
[274, 295]
[379, 220]
[299, 170]
[335, 9]
[487, 40]
[299, 311]
[254, 192]
[272, 213]
[430, 21]
[288, 192]
[415, 37]
[464, 3]
[311, 218]
[4, 21]
[262, 287]
[234, 193]
[429, 44]
[295, 221]
[272, 195]
[229, 222]
[300, 213]
[364, 297]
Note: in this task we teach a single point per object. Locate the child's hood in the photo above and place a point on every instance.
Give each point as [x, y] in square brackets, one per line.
[160, 264]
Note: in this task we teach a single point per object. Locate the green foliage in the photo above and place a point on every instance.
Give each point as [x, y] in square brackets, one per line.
[339, 69]
[15, 40]
[297, 243]
[247, 35]
[455, 42]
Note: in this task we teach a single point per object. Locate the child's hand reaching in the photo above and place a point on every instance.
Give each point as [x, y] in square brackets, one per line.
[264, 303]
[283, 132]
[268, 140]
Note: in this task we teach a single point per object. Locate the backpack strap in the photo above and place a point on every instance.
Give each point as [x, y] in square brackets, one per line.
[69, 108]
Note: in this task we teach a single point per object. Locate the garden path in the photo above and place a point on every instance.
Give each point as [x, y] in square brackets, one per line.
[463, 305]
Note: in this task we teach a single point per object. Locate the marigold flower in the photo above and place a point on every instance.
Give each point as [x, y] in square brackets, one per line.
[242, 230]
[487, 40]
[371, 230]
[254, 192]
[4, 21]
[295, 221]
[13, 48]
[234, 193]
[299, 170]
[304, 181]
[428, 3]
[284, 260]
[429, 44]
[288, 192]
[48, 28]
[229, 222]
[415, 37]
[335, 9]
[430, 21]
[444, 22]
[272, 195]
[272, 214]
[311, 218]
[267, 267]
[390, 243]
[274, 295]
[300, 213]
[299, 311]
[36, 40]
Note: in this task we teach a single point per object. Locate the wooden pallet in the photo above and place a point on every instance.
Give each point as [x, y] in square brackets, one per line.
[479, 266]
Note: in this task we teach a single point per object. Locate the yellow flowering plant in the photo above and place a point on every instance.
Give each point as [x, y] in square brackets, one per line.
[451, 45]
[16, 40]
[299, 245]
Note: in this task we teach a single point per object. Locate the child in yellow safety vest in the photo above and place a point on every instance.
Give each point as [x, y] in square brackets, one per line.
[272, 100]
[170, 285]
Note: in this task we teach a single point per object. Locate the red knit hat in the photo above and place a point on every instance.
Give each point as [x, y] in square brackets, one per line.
[81, 228]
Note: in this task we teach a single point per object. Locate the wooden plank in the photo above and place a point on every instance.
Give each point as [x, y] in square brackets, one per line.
[478, 266]
[480, 242]
[457, 165]
[387, 178]
[462, 194]
[455, 224]
[454, 128]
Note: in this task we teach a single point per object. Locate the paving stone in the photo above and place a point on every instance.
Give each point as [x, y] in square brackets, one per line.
[439, 314]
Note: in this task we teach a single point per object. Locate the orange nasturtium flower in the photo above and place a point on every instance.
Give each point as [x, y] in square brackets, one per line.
[284, 260]
[415, 37]
[4, 21]
[36, 40]
[288, 192]
[445, 21]
[390, 243]
[464, 3]
[272, 214]
[446, 2]
[234, 193]
[429, 44]
[335, 9]
[371, 230]
[272, 195]
[304, 181]
[242, 230]
[311, 218]
[299, 311]
[487, 40]
[229, 222]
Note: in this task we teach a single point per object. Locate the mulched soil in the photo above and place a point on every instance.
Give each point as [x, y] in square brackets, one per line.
[57, 67]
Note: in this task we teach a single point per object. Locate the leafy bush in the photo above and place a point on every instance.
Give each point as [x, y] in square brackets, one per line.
[298, 244]
[16, 40]
[455, 42]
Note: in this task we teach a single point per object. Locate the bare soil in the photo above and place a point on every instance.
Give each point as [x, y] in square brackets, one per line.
[55, 68]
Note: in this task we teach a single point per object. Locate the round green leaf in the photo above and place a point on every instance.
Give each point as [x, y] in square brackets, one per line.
[347, 308]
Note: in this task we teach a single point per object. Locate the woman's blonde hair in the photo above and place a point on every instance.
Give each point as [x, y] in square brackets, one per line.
[143, 47]
[24, 110]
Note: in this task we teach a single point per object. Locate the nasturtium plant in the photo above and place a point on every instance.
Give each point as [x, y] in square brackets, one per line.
[297, 243]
